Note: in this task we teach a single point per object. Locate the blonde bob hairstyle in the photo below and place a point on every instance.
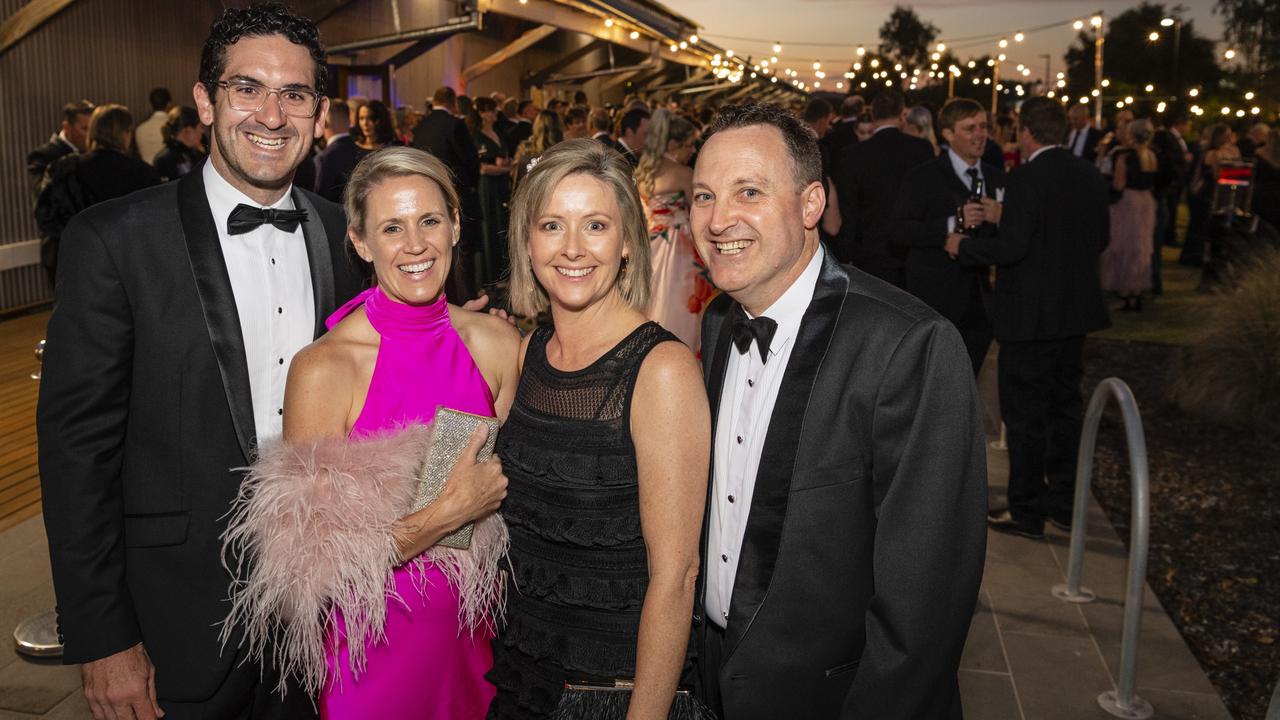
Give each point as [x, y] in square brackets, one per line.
[585, 156]
[394, 162]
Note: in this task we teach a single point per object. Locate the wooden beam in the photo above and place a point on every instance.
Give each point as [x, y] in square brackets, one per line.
[618, 80]
[517, 46]
[317, 10]
[414, 51]
[541, 76]
[27, 18]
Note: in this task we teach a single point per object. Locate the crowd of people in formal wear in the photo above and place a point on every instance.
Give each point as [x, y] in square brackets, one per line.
[740, 470]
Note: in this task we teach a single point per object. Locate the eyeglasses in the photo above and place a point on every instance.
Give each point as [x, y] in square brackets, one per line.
[246, 96]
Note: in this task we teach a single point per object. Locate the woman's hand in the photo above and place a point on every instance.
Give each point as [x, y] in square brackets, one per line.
[472, 491]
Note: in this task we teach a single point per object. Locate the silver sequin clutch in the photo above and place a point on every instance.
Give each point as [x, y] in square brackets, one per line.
[450, 432]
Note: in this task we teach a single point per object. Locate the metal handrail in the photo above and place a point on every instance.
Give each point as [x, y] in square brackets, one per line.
[1122, 702]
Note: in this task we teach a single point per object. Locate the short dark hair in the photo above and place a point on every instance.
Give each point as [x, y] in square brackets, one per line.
[801, 142]
[73, 110]
[579, 98]
[258, 21]
[632, 120]
[575, 114]
[520, 108]
[160, 99]
[108, 126]
[816, 109]
[957, 109]
[1045, 120]
[852, 106]
[484, 103]
[600, 120]
[444, 96]
[888, 104]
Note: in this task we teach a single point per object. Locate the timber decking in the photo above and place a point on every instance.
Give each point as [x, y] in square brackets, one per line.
[19, 474]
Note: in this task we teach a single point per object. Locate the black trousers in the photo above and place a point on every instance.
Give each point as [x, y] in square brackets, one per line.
[710, 658]
[975, 328]
[248, 693]
[1043, 410]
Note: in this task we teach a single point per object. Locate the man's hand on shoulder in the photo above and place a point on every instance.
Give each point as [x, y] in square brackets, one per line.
[478, 305]
[122, 685]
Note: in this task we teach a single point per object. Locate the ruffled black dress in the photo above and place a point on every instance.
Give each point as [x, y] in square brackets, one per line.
[578, 561]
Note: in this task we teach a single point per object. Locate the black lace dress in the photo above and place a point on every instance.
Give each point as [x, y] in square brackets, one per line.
[579, 567]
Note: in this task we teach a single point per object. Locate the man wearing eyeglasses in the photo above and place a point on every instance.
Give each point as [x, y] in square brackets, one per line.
[179, 310]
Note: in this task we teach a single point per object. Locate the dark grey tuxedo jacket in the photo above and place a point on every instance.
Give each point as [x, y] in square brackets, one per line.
[865, 540]
[144, 414]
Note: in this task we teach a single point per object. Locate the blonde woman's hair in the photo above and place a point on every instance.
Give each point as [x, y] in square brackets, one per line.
[548, 129]
[583, 156]
[664, 126]
[392, 162]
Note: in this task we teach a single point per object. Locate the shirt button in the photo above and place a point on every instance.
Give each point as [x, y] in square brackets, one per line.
[280, 361]
[279, 311]
[739, 439]
[731, 499]
[751, 383]
[724, 558]
[273, 261]
[280, 411]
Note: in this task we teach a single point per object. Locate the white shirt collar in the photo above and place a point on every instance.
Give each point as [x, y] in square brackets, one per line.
[223, 197]
[338, 137]
[883, 127]
[624, 144]
[63, 137]
[788, 310]
[1036, 154]
[958, 164]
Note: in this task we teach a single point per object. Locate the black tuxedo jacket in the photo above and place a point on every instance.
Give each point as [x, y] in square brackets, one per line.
[841, 135]
[446, 136]
[1091, 138]
[519, 131]
[1054, 225]
[930, 195]
[868, 177]
[39, 160]
[864, 544]
[334, 165]
[144, 416]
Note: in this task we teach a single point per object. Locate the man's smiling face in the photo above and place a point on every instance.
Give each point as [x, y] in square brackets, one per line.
[257, 152]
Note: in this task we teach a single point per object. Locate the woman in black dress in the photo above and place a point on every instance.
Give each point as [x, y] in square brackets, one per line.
[183, 144]
[495, 189]
[606, 448]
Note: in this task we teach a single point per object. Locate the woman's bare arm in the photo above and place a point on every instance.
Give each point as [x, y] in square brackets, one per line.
[671, 430]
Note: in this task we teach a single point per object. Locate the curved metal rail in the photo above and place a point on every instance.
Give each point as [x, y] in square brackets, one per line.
[1122, 702]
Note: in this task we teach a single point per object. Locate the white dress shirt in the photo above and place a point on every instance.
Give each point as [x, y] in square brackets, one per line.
[961, 169]
[149, 136]
[1036, 154]
[747, 398]
[271, 281]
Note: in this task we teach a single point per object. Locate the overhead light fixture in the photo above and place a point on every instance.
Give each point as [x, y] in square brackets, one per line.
[777, 48]
[1019, 37]
[1003, 43]
[1154, 36]
[608, 22]
[1079, 25]
[1167, 22]
[861, 51]
[942, 47]
[635, 35]
[1096, 21]
[693, 39]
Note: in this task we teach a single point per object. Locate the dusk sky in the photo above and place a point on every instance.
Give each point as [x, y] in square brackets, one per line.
[852, 22]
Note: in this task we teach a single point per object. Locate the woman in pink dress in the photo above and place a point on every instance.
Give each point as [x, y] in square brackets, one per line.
[414, 643]
[679, 287]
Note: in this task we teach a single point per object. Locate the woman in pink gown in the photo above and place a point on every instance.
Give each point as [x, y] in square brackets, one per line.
[393, 355]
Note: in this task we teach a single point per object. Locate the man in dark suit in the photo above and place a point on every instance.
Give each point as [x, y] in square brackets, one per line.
[845, 130]
[179, 309]
[1082, 140]
[843, 545]
[1047, 298]
[443, 134]
[72, 137]
[868, 177]
[925, 217]
[601, 126]
[633, 131]
[522, 128]
[340, 155]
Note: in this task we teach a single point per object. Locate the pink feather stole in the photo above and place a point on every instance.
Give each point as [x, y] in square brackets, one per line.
[311, 532]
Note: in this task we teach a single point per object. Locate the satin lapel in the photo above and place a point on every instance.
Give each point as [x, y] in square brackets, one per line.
[760, 541]
[959, 190]
[213, 284]
[713, 373]
[319, 258]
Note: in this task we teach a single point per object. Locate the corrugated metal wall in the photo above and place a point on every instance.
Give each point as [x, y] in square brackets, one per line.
[103, 50]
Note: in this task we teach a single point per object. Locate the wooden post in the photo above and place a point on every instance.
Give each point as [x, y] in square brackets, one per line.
[28, 18]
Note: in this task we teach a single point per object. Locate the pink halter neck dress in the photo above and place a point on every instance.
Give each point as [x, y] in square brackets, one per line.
[427, 668]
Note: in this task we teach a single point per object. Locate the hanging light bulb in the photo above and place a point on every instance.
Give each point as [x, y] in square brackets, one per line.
[1003, 43]
[777, 48]
[635, 35]
[1019, 37]
[1154, 36]
[861, 51]
[608, 22]
[1079, 25]
[693, 39]
[942, 47]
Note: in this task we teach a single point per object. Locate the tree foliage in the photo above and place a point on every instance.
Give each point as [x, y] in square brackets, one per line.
[907, 39]
[1131, 61]
[1253, 27]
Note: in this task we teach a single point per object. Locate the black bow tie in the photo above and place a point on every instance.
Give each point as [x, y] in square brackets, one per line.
[760, 329]
[246, 218]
